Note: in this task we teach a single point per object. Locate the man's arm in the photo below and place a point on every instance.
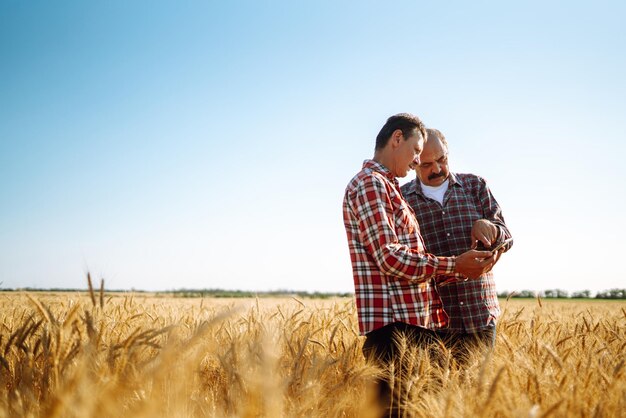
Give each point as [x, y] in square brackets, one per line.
[491, 230]
[375, 214]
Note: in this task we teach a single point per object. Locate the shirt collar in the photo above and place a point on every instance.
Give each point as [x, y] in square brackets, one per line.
[376, 166]
[415, 186]
[454, 180]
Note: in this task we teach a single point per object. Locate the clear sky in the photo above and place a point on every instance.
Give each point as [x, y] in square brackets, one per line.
[205, 144]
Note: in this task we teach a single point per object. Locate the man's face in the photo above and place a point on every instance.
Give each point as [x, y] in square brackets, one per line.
[433, 167]
[408, 153]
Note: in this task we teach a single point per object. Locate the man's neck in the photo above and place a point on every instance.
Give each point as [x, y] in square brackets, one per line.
[383, 159]
[444, 184]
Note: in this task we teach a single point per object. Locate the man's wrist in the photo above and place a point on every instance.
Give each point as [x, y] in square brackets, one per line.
[446, 266]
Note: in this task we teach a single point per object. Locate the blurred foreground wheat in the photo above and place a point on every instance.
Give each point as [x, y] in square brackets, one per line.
[72, 355]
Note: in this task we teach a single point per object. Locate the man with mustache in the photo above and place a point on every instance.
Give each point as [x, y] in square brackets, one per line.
[457, 212]
[395, 278]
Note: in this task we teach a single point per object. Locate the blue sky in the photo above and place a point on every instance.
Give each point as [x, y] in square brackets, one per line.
[166, 145]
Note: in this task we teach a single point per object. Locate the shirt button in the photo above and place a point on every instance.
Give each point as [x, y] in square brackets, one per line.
[443, 212]
[461, 303]
[448, 234]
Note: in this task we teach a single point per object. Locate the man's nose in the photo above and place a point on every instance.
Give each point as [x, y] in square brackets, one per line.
[416, 160]
[436, 167]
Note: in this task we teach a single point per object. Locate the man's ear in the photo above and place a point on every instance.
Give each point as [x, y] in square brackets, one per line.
[396, 138]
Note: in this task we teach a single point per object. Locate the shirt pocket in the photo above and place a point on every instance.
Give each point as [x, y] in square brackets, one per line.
[461, 218]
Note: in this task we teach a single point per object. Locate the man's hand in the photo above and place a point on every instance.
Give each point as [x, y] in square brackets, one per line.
[497, 255]
[474, 264]
[484, 231]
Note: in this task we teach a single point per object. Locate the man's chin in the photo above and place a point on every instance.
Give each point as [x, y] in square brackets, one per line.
[403, 174]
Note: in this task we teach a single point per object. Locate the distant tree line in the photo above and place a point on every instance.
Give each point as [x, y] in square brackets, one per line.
[196, 293]
[221, 293]
[564, 294]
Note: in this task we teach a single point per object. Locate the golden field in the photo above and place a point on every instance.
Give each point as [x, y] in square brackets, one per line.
[81, 355]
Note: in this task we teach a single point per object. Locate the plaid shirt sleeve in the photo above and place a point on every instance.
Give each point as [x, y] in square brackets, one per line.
[377, 229]
[492, 212]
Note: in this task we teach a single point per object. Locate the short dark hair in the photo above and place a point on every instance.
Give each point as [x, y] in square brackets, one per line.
[406, 122]
[438, 134]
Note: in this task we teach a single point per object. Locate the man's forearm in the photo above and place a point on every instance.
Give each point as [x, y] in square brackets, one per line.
[399, 261]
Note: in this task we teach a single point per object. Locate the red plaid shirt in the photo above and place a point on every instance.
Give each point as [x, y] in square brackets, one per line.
[394, 278]
[473, 304]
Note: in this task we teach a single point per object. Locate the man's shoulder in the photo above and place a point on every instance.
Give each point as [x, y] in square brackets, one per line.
[366, 178]
[408, 187]
[469, 179]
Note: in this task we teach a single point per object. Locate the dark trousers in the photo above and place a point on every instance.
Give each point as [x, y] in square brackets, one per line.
[463, 345]
[385, 348]
[381, 344]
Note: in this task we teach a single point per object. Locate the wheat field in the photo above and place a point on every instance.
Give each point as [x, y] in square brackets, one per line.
[90, 355]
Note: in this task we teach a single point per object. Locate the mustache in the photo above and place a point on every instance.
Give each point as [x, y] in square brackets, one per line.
[435, 175]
